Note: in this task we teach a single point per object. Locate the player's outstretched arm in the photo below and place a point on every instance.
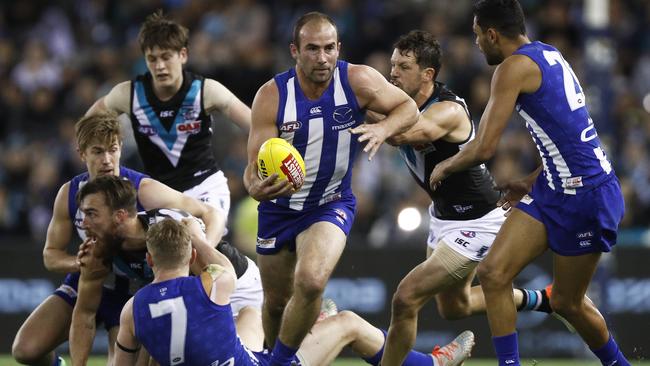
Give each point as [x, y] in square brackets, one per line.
[127, 345]
[117, 100]
[517, 74]
[59, 234]
[206, 254]
[219, 98]
[376, 94]
[438, 121]
[154, 194]
[264, 112]
[89, 294]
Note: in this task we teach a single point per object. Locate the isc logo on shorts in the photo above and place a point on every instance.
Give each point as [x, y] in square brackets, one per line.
[266, 243]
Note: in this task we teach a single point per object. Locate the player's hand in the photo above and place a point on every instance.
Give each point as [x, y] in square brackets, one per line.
[194, 227]
[93, 257]
[512, 193]
[375, 134]
[438, 174]
[268, 188]
[84, 250]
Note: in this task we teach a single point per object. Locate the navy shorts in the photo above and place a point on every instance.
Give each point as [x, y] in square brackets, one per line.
[110, 307]
[279, 226]
[578, 224]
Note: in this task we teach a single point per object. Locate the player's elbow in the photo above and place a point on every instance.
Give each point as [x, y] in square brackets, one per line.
[485, 152]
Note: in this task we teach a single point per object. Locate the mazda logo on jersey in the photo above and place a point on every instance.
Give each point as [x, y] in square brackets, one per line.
[342, 114]
[290, 126]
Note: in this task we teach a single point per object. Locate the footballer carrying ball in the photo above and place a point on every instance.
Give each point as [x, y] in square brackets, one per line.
[278, 156]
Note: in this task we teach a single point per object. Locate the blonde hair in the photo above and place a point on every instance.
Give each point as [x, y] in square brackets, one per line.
[102, 128]
[169, 244]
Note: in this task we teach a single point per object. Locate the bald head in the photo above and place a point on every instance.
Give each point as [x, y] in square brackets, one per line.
[313, 22]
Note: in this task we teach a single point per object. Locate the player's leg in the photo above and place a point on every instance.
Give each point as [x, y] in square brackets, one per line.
[277, 271]
[572, 275]
[521, 239]
[318, 250]
[45, 329]
[112, 337]
[249, 328]
[442, 269]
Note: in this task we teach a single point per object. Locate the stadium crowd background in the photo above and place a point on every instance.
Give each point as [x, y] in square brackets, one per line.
[58, 57]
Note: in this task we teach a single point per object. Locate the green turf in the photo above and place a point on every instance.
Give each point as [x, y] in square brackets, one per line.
[101, 361]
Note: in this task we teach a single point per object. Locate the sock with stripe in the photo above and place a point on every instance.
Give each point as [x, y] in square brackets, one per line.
[610, 354]
[282, 354]
[535, 300]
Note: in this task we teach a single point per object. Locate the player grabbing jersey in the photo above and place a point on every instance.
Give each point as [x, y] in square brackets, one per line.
[572, 204]
[302, 230]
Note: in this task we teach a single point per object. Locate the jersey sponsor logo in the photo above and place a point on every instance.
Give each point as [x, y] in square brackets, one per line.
[584, 239]
[290, 126]
[573, 182]
[462, 209]
[166, 114]
[147, 130]
[163, 291]
[462, 242]
[266, 243]
[468, 234]
[316, 110]
[190, 114]
[481, 252]
[192, 127]
[342, 114]
[332, 197]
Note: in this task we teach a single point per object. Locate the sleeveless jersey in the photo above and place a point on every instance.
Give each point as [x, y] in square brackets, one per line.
[77, 182]
[179, 325]
[130, 270]
[318, 130]
[465, 195]
[558, 121]
[173, 137]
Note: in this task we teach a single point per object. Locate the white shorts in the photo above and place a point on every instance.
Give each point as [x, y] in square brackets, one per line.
[214, 192]
[470, 238]
[248, 291]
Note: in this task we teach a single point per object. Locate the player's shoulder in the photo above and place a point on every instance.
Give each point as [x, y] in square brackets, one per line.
[360, 74]
[267, 96]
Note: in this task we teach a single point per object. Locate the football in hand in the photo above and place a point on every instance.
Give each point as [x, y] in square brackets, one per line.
[278, 156]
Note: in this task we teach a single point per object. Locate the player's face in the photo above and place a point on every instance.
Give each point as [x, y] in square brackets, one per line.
[318, 52]
[166, 66]
[405, 73]
[99, 222]
[490, 50]
[101, 159]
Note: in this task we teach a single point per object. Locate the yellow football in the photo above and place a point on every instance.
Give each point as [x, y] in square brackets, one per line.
[278, 156]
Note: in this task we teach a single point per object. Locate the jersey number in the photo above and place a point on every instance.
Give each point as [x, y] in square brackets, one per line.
[572, 89]
[175, 307]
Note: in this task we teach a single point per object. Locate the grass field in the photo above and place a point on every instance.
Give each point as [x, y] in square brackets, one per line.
[100, 361]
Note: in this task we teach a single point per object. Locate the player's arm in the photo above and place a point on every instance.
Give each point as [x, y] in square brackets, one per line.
[59, 234]
[89, 294]
[127, 345]
[219, 98]
[117, 100]
[376, 94]
[517, 74]
[154, 194]
[438, 121]
[264, 112]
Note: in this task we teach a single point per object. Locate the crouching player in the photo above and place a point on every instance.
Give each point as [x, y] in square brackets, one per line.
[183, 320]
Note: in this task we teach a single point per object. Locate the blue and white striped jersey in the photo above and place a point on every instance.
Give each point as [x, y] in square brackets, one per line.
[557, 118]
[319, 131]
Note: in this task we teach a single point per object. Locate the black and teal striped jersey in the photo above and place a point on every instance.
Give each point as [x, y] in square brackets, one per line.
[174, 136]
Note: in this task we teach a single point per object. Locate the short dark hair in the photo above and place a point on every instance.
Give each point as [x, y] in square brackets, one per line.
[119, 192]
[159, 31]
[425, 48]
[506, 16]
[306, 18]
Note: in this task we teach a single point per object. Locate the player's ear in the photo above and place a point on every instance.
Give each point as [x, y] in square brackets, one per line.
[193, 256]
[183, 55]
[492, 35]
[294, 50]
[428, 74]
[149, 260]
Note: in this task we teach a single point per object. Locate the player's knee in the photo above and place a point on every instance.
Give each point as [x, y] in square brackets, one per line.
[567, 306]
[347, 322]
[404, 302]
[491, 276]
[274, 305]
[25, 352]
[310, 287]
